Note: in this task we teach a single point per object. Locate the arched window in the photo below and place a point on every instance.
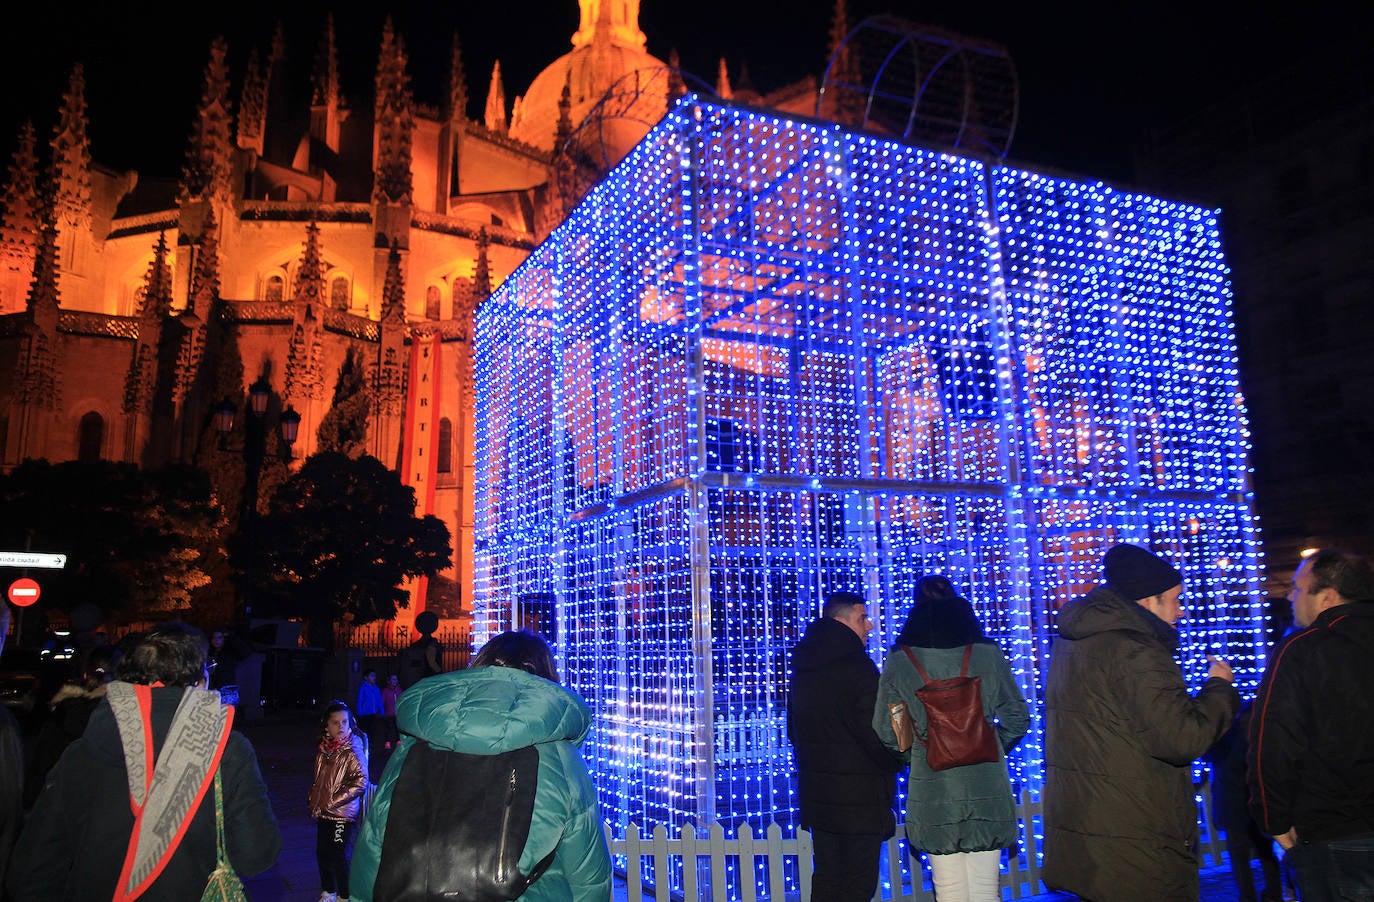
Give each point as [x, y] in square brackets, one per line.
[89, 437]
[338, 293]
[432, 302]
[274, 289]
[445, 463]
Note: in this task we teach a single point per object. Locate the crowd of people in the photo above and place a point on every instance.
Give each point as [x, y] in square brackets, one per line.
[1294, 766]
[485, 792]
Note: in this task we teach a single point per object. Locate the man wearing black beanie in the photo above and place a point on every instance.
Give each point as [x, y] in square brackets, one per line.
[1121, 734]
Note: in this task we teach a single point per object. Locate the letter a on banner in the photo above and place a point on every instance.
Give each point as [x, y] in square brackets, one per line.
[419, 457]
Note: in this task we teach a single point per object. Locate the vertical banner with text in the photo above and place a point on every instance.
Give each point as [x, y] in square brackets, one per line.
[419, 456]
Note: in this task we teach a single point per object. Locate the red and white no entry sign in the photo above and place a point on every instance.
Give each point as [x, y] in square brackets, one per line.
[24, 591]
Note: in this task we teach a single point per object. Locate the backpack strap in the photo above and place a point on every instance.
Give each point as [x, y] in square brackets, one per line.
[189, 759]
[917, 664]
[963, 671]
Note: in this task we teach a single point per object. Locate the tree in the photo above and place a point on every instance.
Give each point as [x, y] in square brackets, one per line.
[344, 426]
[339, 539]
[134, 538]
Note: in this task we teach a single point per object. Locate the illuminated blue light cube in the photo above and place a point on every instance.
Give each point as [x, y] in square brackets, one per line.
[766, 358]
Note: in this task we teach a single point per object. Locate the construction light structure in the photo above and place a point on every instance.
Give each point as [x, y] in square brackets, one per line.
[767, 358]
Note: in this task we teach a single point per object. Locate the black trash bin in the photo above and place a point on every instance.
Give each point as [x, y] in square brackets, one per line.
[293, 677]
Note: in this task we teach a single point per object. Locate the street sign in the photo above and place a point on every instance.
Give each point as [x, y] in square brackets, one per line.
[24, 591]
[37, 559]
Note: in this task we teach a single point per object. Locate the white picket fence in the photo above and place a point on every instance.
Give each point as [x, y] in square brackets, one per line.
[707, 862]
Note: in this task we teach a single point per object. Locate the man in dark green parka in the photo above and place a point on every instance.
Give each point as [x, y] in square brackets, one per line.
[1121, 734]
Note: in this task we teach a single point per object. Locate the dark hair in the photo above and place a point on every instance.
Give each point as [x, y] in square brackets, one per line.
[171, 653]
[837, 604]
[935, 586]
[367, 671]
[101, 663]
[332, 708]
[1348, 573]
[519, 650]
[941, 622]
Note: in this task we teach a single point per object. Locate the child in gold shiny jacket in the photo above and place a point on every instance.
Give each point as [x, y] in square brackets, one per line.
[336, 797]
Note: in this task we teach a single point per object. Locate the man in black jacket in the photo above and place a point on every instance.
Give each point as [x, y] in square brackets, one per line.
[1311, 759]
[846, 778]
[75, 843]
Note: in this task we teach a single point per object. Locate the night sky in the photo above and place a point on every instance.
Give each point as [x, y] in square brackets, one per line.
[1093, 78]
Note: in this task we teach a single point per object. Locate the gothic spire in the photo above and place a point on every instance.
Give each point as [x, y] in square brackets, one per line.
[157, 284]
[310, 277]
[677, 87]
[844, 70]
[723, 89]
[200, 307]
[564, 129]
[324, 80]
[39, 376]
[19, 227]
[495, 116]
[206, 174]
[457, 84]
[395, 121]
[389, 373]
[140, 381]
[481, 273]
[205, 275]
[71, 159]
[393, 289]
[305, 354]
[43, 298]
[253, 105]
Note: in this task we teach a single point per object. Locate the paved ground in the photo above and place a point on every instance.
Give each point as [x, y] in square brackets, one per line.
[285, 743]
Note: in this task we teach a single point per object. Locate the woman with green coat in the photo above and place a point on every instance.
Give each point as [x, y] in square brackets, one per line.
[965, 816]
[507, 701]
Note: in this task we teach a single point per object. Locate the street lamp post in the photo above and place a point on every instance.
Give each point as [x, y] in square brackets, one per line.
[254, 451]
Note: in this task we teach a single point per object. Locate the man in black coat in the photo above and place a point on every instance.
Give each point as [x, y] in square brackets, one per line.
[1310, 767]
[846, 778]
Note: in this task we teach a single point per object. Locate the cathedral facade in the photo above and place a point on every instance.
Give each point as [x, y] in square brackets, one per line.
[304, 238]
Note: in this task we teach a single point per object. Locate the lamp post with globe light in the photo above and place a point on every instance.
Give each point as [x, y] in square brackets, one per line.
[254, 451]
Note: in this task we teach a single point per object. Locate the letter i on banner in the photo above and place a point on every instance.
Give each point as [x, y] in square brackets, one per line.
[419, 459]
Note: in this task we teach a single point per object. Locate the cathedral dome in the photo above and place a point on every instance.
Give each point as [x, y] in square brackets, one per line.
[608, 49]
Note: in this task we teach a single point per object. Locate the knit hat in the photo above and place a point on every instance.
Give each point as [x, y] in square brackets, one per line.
[1135, 573]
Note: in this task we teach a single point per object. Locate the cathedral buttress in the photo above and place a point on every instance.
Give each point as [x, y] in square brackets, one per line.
[19, 227]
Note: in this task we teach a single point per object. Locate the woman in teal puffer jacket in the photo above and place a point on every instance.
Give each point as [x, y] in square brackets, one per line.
[508, 699]
[962, 817]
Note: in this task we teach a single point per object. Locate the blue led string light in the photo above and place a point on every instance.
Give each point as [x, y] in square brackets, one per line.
[766, 358]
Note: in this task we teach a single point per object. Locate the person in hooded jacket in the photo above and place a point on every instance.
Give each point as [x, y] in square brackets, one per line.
[846, 778]
[74, 844]
[962, 817]
[1121, 734]
[507, 699]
